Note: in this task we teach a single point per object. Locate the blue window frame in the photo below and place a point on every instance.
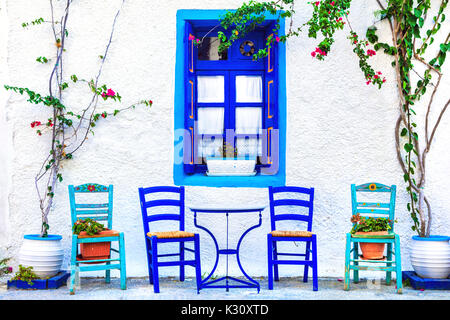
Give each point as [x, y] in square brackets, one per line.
[192, 64]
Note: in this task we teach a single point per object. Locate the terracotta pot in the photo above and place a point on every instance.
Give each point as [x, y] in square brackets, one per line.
[97, 250]
[372, 251]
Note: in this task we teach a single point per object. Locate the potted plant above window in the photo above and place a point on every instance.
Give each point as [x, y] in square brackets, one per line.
[371, 226]
[96, 250]
[230, 164]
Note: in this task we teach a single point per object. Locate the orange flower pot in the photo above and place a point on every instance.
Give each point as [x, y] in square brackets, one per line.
[370, 250]
[97, 250]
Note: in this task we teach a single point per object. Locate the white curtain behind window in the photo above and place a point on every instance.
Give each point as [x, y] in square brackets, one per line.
[248, 89]
[249, 121]
[210, 121]
[210, 89]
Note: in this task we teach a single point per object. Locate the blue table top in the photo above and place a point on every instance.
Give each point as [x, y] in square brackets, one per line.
[249, 208]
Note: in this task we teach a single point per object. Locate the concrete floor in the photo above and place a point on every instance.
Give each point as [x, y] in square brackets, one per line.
[172, 289]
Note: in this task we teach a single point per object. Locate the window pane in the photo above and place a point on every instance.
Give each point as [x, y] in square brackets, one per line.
[210, 121]
[249, 121]
[210, 88]
[248, 89]
[209, 50]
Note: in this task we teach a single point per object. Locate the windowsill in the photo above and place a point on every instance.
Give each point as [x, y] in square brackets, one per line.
[258, 181]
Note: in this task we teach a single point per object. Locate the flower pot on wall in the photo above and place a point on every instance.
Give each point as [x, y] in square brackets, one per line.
[430, 257]
[230, 166]
[44, 254]
[372, 251]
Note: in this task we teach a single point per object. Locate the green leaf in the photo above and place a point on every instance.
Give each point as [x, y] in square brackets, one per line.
[417, 12]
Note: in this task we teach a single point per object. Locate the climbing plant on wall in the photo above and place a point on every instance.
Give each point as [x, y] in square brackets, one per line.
[416, 55]
[67, 129]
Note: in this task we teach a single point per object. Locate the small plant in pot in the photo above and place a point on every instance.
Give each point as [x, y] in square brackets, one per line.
[91, 228]
[25, 274]
[230, 164]
[371, 226]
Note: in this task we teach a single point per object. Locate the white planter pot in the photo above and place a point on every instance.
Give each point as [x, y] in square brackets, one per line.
[231, 167]
[45, 255]
[430, 257]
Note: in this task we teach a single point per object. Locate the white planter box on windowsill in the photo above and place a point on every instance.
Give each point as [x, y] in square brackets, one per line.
[230, 166]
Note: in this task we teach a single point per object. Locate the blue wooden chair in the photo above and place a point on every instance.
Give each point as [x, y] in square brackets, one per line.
[153, 239]
[353, 261]
[310, 239]
[101, 212]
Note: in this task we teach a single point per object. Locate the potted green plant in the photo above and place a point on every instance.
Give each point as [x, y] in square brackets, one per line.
[230, 164]
[92, 251]
[371, 226]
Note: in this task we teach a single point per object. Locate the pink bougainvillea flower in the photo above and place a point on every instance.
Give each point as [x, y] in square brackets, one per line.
[191, 37]
[277, 38]
[104, 94]
[371, 52]
[104, 114]
[332, 3]
[198, 40]
[317, 3]
[313, 54]
[379, 72]
[340, 280]
[368, 82]
[110, 92]
[150, 101]
[384, 80]
[35, 124]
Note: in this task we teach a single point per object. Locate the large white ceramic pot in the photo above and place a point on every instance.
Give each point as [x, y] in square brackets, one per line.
[44, 254]
[430, 257]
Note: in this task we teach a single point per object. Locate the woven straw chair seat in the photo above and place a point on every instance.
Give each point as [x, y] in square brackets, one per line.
[171, 234]
[280, 233]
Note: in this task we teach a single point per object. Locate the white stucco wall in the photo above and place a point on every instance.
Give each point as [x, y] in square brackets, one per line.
[340, 131]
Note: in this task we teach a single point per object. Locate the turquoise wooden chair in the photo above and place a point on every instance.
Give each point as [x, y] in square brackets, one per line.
[392, 260]
[101, 212]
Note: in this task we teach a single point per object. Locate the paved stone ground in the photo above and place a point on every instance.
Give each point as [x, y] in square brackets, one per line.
[172, 289]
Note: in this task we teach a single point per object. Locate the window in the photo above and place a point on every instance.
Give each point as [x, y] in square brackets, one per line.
[227, 99]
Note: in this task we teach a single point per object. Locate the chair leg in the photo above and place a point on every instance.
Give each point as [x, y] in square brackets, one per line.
[347, 263]
[314, 266]
[155, 265]
[182, 259]
[148, 247]
[398, 264]
[270, 261]
[198, 269]
[123, 270]
[108, 274]
[389, 258]
[355, 256]
[275, 257]
[305, 271]
[73, 266]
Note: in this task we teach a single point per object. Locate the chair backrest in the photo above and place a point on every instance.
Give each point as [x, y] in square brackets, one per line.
[147, 218]
[291, 202]
[95, 211]
[372, 207]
